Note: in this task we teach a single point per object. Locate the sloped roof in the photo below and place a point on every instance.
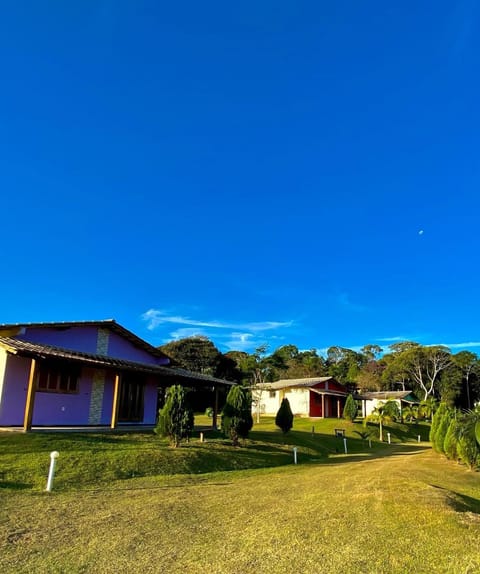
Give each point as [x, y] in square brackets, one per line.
[41, 351]
[298, 383]
[384, 395]
[104, 324]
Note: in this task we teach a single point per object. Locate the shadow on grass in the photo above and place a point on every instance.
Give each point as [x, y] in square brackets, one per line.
[460, 502]
[15, 485]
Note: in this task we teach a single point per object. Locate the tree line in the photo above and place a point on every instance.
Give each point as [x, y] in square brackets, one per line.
[428, 371]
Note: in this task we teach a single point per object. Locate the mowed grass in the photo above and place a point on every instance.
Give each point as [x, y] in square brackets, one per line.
[393, 508]
[93, 459]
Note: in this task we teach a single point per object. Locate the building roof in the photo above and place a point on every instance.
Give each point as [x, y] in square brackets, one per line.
[9, 328]
[387, 395]
[41, 351]
[298, 383]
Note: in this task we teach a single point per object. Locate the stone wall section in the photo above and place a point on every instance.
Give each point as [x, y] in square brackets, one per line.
[98, 381]
[102, 341]
[96, 397]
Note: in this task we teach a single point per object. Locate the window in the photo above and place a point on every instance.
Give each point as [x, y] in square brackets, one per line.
[272, 394]
[57, 378]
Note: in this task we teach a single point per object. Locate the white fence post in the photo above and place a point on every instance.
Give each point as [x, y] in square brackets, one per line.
[51, 473]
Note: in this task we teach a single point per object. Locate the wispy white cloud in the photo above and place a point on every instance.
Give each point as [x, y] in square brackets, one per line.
[233, 336]
[392, 339]
[241, 342]
[157, 317]
[468, 345]
[187, 332]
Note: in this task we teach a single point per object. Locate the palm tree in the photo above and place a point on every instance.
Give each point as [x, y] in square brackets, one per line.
[408, 413]
[428, 408]
[383, 413]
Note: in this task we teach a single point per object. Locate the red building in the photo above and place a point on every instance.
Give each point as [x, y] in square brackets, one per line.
[322, 397]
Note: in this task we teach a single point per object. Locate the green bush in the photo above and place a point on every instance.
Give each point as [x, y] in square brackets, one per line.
[284, 418]
[237, 418]
[350, 409]
[467, 448]
[175, 419]
[436, 420]
[451, 440]
[442, 428]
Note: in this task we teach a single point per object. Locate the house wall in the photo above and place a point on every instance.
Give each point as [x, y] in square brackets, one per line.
[334, 386]
[268, 405]
[14, 396]
[122, 349]
[3, 364]
[89, 339]
[150, 412]
[371, 404]
[64, 409]
[298, 399]
[82, 339]
[49, 408]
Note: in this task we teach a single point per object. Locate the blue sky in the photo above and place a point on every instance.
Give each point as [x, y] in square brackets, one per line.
[279, 172]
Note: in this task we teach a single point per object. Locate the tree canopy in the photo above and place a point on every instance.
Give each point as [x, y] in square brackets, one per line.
[428, 371]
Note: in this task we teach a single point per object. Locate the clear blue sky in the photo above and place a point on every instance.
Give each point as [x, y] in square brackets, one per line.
[280, 172]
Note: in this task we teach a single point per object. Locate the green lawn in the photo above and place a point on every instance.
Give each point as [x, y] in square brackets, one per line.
[93, 459]
[392, 508]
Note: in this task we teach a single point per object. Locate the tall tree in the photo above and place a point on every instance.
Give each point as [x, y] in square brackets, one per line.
[344, 364]
[421, 366]
[469, 365]
[371, 352]
[197, 354]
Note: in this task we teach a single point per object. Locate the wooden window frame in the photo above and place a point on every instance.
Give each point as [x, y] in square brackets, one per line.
[57, 378]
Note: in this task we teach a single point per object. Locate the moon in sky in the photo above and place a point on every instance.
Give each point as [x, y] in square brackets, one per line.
[420, 232]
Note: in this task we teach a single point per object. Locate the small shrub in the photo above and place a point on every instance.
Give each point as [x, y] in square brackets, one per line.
[284, 418]
[441, 431]
[237, 419]
[451, 440]
[175, 419]
[467, 449]
[437, 417]
[350, 409]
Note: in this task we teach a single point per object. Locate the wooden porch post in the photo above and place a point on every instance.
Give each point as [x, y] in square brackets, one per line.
[215, 409]
[338, 408]
[116, 394]
[323, 406]
[27, 420]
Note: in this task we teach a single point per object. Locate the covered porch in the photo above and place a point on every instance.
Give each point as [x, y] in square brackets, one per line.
[50, 388]
[326, 403]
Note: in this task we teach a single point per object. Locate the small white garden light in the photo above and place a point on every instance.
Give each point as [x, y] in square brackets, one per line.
[294, 455]
[388, 436]
[51, 473]
[345, 445]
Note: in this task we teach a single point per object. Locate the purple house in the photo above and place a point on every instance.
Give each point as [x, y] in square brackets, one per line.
[85, 374]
